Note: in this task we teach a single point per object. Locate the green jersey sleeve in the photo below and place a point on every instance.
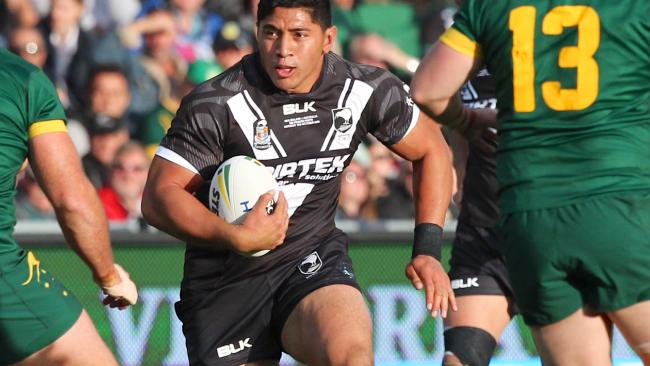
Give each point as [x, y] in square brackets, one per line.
[42, 100]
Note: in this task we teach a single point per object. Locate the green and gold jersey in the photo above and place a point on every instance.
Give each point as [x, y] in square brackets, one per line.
[29, 106]
[573, 81]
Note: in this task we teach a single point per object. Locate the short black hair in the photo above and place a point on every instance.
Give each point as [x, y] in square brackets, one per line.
[105, 68]
[321, 10]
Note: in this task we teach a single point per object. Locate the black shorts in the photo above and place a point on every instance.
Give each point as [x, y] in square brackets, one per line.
[477, 265]
[242, 320]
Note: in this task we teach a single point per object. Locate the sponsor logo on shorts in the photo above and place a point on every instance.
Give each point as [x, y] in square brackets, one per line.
[231, 349]
[464, 283]
[310, 265]
[34, 266]
[348, 272]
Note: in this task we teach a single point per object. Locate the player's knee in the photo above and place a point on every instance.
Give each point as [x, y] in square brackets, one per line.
[350, 353]
[468, 346]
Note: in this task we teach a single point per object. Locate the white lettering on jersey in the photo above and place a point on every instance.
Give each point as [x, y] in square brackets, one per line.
[294, 108]
[464, 283]
[311, 169]
[230, 349]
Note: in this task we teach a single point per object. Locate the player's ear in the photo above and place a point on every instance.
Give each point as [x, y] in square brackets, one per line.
[329, 38]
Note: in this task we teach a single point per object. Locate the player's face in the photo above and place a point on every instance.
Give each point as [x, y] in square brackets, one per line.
[292, 46]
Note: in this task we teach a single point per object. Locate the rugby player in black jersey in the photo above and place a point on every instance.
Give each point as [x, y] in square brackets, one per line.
[478, 272]
[302, 111]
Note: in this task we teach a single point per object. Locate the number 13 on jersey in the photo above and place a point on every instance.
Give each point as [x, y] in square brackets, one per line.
[522, 25]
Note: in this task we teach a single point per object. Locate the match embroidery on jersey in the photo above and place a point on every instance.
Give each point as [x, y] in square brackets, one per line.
[352, 101]
[254, 125]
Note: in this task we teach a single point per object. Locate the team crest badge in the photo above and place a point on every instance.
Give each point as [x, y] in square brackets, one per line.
[262, 137]
[342, 119]
[311, 264]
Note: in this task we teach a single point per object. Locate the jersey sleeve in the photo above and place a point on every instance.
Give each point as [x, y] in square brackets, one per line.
[44, 110]
[463, 35]
[195, 139]
[392, 113]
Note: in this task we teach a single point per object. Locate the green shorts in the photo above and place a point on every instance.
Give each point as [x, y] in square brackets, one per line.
[594, 254]
[35, 309]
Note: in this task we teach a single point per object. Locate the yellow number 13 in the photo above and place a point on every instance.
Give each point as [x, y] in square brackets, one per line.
[580, 57]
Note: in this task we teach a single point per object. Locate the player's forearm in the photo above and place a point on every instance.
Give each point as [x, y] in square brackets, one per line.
[84, 226]
[178, 213]
[432, 184]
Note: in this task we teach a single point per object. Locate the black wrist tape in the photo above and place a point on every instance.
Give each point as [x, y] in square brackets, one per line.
[427, 240]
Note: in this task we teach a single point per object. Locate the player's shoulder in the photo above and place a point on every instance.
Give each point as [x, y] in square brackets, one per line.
[216, 91]
[372, 75]
[15, 68]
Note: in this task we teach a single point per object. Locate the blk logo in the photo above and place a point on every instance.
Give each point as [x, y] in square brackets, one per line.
[231, 349]
[464, 283]
[294, 108]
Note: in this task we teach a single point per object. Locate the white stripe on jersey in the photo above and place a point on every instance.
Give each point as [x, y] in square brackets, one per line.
[339, 105]
[260, 115]
[356, 102]
[170, 155]
[414, 119]
[295, 194]
[246, 118]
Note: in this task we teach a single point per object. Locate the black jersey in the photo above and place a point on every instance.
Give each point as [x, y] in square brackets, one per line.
[306, 139]
[480, 187]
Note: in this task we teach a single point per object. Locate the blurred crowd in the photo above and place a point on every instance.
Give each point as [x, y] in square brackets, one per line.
[121, 68]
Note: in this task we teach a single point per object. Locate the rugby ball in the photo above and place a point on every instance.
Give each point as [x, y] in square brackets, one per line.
[237, 185]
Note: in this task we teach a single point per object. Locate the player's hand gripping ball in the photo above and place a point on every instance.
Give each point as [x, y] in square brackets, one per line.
[236, 187]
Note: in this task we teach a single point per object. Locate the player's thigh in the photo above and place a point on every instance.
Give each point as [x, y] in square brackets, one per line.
[488, 312]
[81, 345]
[331, 325]
[534, 255]
[633, 323]
[230, 324]
[608, 240]
[581, 339]
[35, 309]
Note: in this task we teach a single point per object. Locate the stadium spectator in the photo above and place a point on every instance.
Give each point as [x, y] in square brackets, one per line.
[31, 201]
[232, 43]
[42, 323]
[128, 174]
[354, 199]
[16, 14]
[29, 44]
[572, 167]
[197, 29]
[105, 15]
[69, 51]
[154, 127]
[107, 134]
[110, 94]
[156, 34]
[372, 49]
[307, 285]
[398, 203]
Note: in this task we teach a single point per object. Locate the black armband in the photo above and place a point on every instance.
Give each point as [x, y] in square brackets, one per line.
[427, 240]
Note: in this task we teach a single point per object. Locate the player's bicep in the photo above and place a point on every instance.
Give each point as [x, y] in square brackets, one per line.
[392, 113]
[441, 74]
[164, 173]
[425, 138]
[56, 164]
